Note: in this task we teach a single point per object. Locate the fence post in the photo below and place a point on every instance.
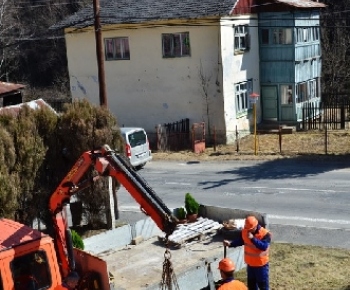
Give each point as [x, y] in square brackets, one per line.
[280, 137]
[214, 138]
[193, 138]
[237, 142]
[303, 116]
[325, 140]
[157, 138]
[342, 116]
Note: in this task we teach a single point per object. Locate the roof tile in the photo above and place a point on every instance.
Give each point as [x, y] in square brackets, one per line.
[131, 11]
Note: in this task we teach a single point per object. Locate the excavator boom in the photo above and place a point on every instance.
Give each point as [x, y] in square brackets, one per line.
[107, 163]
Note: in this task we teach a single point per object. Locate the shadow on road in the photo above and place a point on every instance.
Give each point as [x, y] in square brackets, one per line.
[293, 167]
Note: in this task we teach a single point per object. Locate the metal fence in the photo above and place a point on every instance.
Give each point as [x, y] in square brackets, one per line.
[173, 136]
[333, 115]
[312, 142]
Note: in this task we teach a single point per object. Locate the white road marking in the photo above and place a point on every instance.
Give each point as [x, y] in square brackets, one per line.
[133, 208]
[178, 183]
[293, 189]
[307, 219]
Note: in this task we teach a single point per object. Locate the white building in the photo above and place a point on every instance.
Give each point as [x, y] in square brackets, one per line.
[169, 60]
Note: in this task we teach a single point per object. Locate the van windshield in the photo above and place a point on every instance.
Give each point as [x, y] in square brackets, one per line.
[137, 138]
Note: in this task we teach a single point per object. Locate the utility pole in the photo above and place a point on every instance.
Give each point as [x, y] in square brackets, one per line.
[99, 54]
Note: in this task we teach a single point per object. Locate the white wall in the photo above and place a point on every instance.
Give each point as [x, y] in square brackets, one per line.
[238, 68]
[147, 89]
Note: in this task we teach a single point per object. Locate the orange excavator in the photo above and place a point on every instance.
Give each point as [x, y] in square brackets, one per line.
[31, 260]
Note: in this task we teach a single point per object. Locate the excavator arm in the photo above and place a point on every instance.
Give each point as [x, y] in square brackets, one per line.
[107, 163]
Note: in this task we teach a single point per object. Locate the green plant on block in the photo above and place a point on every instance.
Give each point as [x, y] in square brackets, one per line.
[191, 205]
[181, 213]
[77, 240]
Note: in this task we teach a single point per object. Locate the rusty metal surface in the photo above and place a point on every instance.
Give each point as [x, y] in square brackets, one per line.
[35, 104]
[302, 3]
[9, 87]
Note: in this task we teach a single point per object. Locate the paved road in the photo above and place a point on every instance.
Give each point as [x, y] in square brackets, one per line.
[307, 196]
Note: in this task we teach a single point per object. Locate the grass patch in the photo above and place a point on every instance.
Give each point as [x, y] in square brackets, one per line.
[297, 267]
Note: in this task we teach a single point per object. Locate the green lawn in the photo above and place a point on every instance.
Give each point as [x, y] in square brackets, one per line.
[296, 267]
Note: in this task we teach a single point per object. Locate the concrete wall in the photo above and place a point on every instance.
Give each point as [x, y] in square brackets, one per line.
[121, 236]
[221, 214]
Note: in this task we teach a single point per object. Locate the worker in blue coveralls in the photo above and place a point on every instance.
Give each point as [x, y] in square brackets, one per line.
[256, 241]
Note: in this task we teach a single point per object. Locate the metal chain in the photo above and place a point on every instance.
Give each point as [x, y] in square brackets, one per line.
[168, 276]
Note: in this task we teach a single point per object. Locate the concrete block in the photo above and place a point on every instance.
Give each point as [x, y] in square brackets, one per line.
[145, 228]
[113, 239]
[221, 214]
[137, 240]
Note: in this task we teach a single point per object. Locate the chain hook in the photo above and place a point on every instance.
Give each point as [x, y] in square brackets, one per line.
[168, 275]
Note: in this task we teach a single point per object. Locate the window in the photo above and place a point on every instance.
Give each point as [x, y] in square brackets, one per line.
[176, 44]
[302, 92]
[242, 41]
[315, 33]
[137, 138]
[286, 92]
[265, 36]
[282, 36]
[117, 48]
[308, 90]
[307, 34]
[312, 89]
[242, 92]
[31, 271]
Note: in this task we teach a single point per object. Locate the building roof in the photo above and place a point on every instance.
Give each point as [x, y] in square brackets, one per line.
[138, 11]
[302, 3]
[9, 87]
[35, 105]
[13, 234]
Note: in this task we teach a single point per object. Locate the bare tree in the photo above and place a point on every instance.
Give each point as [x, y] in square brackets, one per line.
[9, 26]
[335, 46]
[205, 84]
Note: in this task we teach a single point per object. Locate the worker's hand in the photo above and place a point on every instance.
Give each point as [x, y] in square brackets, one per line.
[226, 243]
[250, 235]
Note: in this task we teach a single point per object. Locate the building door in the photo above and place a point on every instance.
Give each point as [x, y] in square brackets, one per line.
[269, 102]
[287, 103]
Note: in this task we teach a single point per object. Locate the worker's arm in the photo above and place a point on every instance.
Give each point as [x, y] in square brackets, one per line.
[262, 244]
[235, 243]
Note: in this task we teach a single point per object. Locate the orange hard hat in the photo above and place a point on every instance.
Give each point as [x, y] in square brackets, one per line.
[250, 222]
[226, 265]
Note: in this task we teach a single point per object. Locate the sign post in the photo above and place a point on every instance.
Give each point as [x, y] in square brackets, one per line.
[253, 99]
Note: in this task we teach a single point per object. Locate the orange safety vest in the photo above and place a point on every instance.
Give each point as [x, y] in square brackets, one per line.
[233, 285]
[252, 255]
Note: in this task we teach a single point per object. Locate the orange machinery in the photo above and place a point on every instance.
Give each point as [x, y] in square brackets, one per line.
[31, 260]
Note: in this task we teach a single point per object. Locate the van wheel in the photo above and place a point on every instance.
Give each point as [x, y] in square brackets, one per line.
[140, 166]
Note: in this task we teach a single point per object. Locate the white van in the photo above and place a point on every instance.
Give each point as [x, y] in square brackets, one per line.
[136, 146]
